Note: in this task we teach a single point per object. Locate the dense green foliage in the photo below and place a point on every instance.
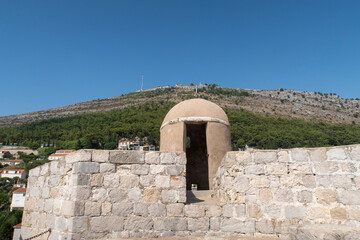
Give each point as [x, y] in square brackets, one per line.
[103, 130]
[7, 219]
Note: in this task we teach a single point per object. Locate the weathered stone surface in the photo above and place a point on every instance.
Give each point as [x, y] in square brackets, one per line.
[309, 181]
[100, 155]
[349, 197]
[338, 213]
[317, 154]
[283, 156]
[107, 168]
[234, 210]
[174, 170]
[253, 211]
[265, 226]
[355, 153]
[127, 157]
[292, 212]
[318, 212]
[86, 167]
[162, 181]
[178, 182]
[326, 167]
[265, 156]
[235, 225]
[175, 209]
[92, 208]
[256, 169]
[152, 157]
[96, 180]
[168, 158]
[240, 182]
[341, 182]
[123, 209]
[277, 168]
[194, 210]
[141, 209]
[111, 180]
[198, 224]
[140, 169]
[304, 196]
[260, 181]
[147, 180]
[170, 224]
[213, 210]
[300, 169]
[325, 196]
[106, 223]
[129, 181]
[157, 169]
[284, 195]
[157, 210]
[134, 194]
[151, 195]
[299, 155]
[336, 154]
[139, 223]
[117, 195]
[106, 208]
[79, 156]
[265, 195]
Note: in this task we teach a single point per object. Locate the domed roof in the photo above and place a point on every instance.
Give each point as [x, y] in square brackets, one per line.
[197, 109]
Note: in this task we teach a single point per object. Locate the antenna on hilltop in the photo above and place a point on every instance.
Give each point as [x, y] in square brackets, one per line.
[142, 81]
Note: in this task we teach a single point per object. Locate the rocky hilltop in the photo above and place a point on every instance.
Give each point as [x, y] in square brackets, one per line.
[315, 106]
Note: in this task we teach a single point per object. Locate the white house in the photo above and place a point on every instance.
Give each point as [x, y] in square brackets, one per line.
[11, 162]
[18, 199]
[60, 154]
[12, 173]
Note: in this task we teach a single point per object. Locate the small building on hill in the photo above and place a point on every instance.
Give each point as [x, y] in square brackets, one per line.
[18, 199]
[11, 162]
[13, 173]
[60, 154]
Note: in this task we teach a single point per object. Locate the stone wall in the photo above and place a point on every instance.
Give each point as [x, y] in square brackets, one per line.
[95, 194]
[281, 188]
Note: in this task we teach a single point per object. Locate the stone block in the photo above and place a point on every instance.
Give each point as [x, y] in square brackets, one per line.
[162, 181]
[169, 196]
[304, 196]
[117, 194]
[357, 181]
[157, 210]
[326, 168]
[99, 194]
[265, 226]
[238, 226]
[277, 168]
[68, 208]
[35, 172]
[265, 156]
[134, 194]
[284, 195]
[86, 167]
[265, 195]
[299, 155]
[152, 157]
[178, 182]
[97, 180]
[157, 169]
[168, 158]
[151, 195]
[123, 209]
[79, 156]
[308, 181]
[111, 180]
[300, 169]
[174, 170]
[101, 156]
[107, 168]
[336, 154]
[214, 223]
[260, 181]
[80, 193]
[323, 181]
[355, 153]
[127, 157]
[295, 212]
[175, 209]
[106, 224]
[256, 169]
[198, 224]
[81, 179]
[106, 208]
[147, 180]
[233, 210]
[129, 181]
[317, 154]
[170, 224]
[241, 183]
[338, 213]
[318, 212]
[140, 169]
[44, 169]
[78, 225]
[92, 208]
[48, 207]
[341, 181]
[141, 209]
[349, 197]
[194, 211]
[283, 156]
[354, 212]
[213, 211]
[325, 196]
[138, 223]
[45, 193]
[53, 180]
[254, 211]
[54, 167]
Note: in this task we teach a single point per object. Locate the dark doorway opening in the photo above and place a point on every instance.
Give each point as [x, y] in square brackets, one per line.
[197, 169]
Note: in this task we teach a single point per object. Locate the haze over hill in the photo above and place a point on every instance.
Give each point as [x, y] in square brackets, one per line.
[314, 106]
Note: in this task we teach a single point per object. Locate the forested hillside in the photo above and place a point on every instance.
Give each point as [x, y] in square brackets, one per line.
[104, 129]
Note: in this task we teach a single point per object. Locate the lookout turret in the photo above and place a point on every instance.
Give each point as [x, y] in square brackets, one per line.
[202, 130]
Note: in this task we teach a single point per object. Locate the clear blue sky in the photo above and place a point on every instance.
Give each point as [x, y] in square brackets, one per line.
[56, 53]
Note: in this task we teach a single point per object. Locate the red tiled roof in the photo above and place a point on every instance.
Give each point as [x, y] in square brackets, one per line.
[4, 170]
[58, 154]
[18, 225]
[20, 190]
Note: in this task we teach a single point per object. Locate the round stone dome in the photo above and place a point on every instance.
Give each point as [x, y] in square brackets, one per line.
[197, 110]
